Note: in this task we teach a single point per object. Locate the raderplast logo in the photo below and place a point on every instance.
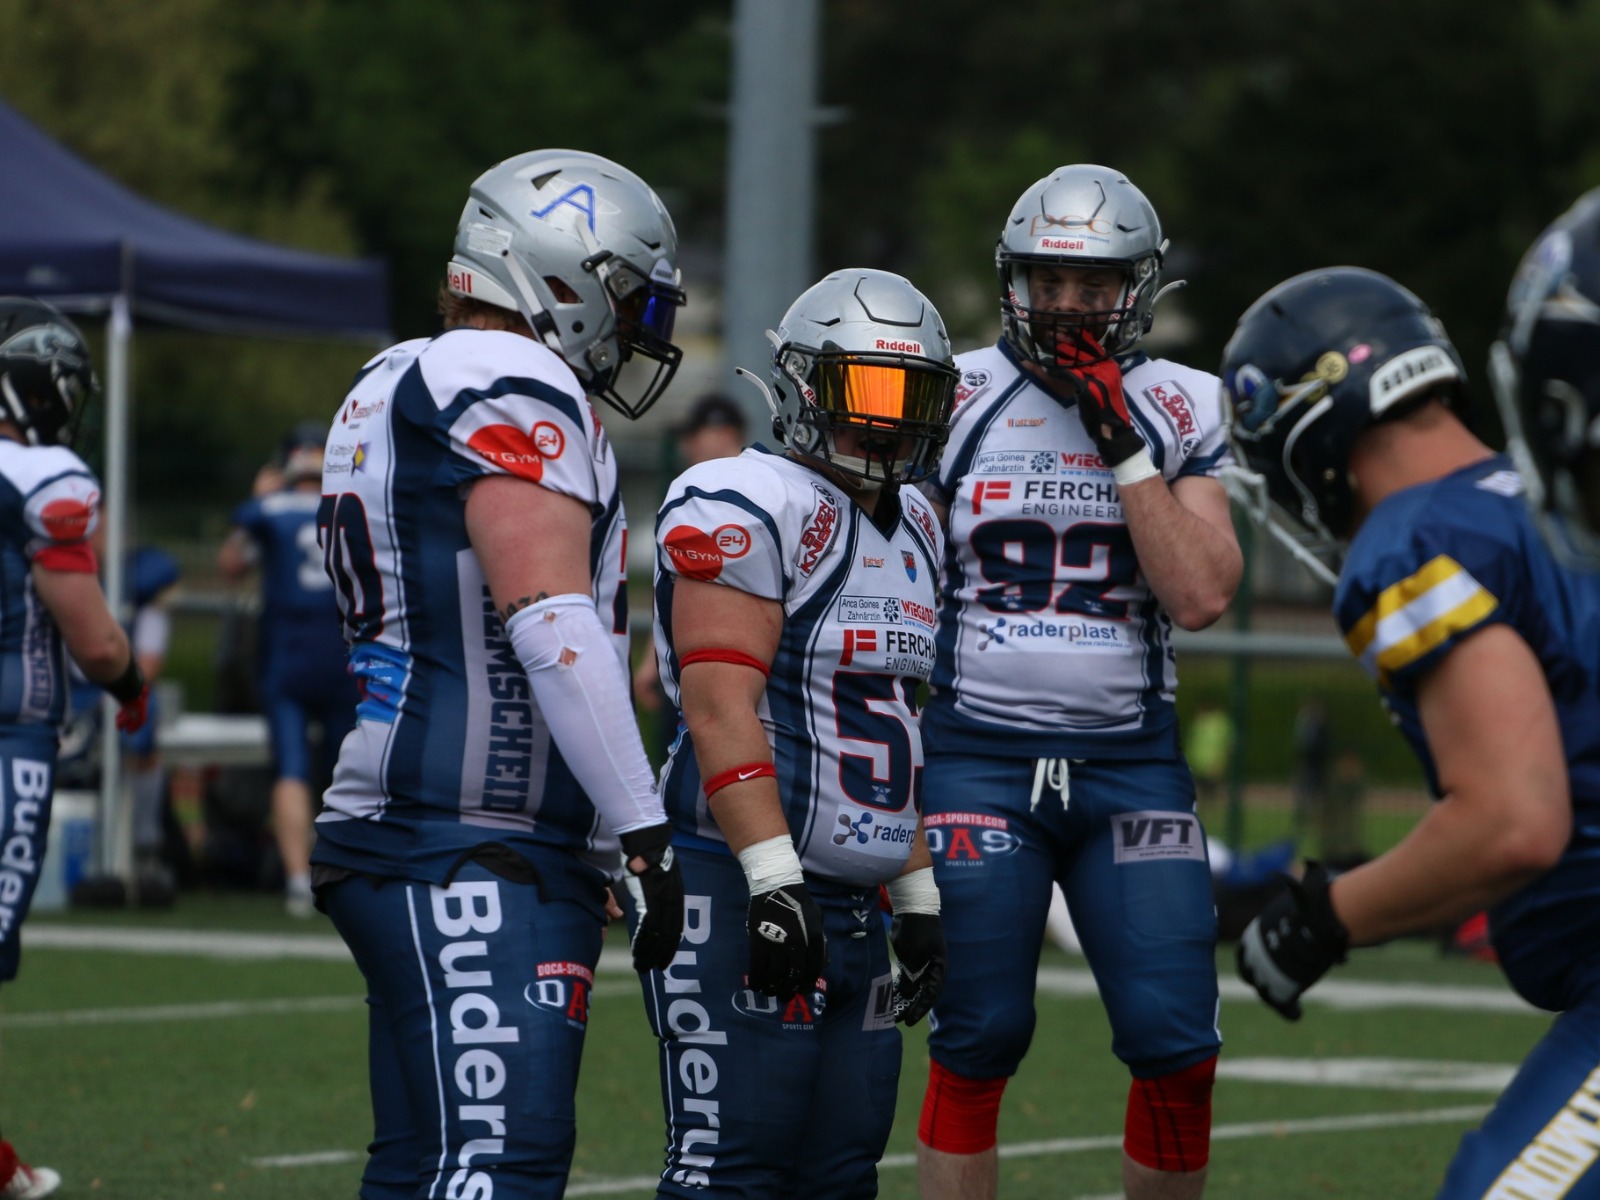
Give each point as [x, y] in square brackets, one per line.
[1011, 632]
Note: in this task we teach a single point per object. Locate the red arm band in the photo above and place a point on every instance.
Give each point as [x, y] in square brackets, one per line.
[738, 657]
[73, 557]
[754, 770]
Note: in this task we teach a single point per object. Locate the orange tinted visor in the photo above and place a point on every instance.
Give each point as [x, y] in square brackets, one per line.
[898, 393]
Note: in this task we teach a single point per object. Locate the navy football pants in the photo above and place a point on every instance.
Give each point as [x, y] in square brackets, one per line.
[478, 999]
[1129, 853]
[768, 1099]
[27, 779]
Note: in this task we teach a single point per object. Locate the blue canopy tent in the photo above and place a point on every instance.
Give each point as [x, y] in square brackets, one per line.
[77, 238]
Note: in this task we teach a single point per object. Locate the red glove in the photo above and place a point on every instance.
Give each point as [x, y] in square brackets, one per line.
[1084, 365]
[132, 714]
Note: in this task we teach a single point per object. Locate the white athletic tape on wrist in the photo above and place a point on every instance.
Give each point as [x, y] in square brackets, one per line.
[1135, 469]
[914, 893]
[771, 864]
[587, 703]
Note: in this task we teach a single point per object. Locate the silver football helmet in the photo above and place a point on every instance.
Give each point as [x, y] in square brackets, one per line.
[1079, 216]
[587, 253]
[863, 378]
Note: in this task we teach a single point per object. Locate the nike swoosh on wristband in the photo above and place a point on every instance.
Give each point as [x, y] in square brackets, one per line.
[751, 774]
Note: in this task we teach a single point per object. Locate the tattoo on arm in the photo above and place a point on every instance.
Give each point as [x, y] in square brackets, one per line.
[521, 603]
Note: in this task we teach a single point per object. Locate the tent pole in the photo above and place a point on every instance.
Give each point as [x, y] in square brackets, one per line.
[115, 850]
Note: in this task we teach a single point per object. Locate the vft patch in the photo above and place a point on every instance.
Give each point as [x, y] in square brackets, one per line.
[880, 1008]
[1172, 400]
[819, 531]
[924, 519]
[1157, 837]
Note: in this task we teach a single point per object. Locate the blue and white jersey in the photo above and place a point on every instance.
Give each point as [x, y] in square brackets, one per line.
[450, 750]
[1050, 641]
[858, 641]
[49, 505]
[1432, 565]
[298, 615]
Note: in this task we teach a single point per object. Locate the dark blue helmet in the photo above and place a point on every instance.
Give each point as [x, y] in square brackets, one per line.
[1546, 372]
[45, 376]
[1312, 363]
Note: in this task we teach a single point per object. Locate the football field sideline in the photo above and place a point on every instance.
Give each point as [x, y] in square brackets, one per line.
[1344, 994]
[1350, 1123]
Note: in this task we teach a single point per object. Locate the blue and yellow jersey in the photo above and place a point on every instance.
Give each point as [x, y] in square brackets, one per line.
[1431, 566]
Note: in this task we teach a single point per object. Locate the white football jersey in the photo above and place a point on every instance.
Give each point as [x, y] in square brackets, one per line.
[450, 748]
[49, 505]
[1050, 641]
[858, 641]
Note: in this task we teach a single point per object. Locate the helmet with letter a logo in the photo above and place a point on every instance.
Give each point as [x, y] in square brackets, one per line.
[587, 253]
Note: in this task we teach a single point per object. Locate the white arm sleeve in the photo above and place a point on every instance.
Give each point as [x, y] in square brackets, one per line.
[583, 693]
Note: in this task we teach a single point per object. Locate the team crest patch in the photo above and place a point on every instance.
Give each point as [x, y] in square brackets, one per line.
[909, 561]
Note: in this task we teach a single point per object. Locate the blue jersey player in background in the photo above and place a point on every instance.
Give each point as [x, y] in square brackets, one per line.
[472, 522]
[51, 606]
[303, 675]
[1346, 396]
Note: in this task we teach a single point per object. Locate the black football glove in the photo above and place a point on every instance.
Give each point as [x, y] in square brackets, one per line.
[1293, 942]
[788, 951]
[660, 890]
[918, 940]
[1096, 379]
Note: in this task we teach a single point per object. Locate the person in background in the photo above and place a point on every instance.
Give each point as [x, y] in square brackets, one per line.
[1209, 749]
[714, 428]
[1347, 397]
[51, 606]
[1085, 518]
[795, 600]
[302, 674]
[473, 525]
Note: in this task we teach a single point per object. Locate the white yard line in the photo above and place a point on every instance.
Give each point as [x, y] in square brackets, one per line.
[1056, 981]
[892, 1162]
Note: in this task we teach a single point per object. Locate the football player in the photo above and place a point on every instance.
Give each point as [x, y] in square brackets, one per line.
[472, 525]
[1085, 518]
[1347, 398]
[795, 612]
[51, 602]
[1546, 373]
[302, 671]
